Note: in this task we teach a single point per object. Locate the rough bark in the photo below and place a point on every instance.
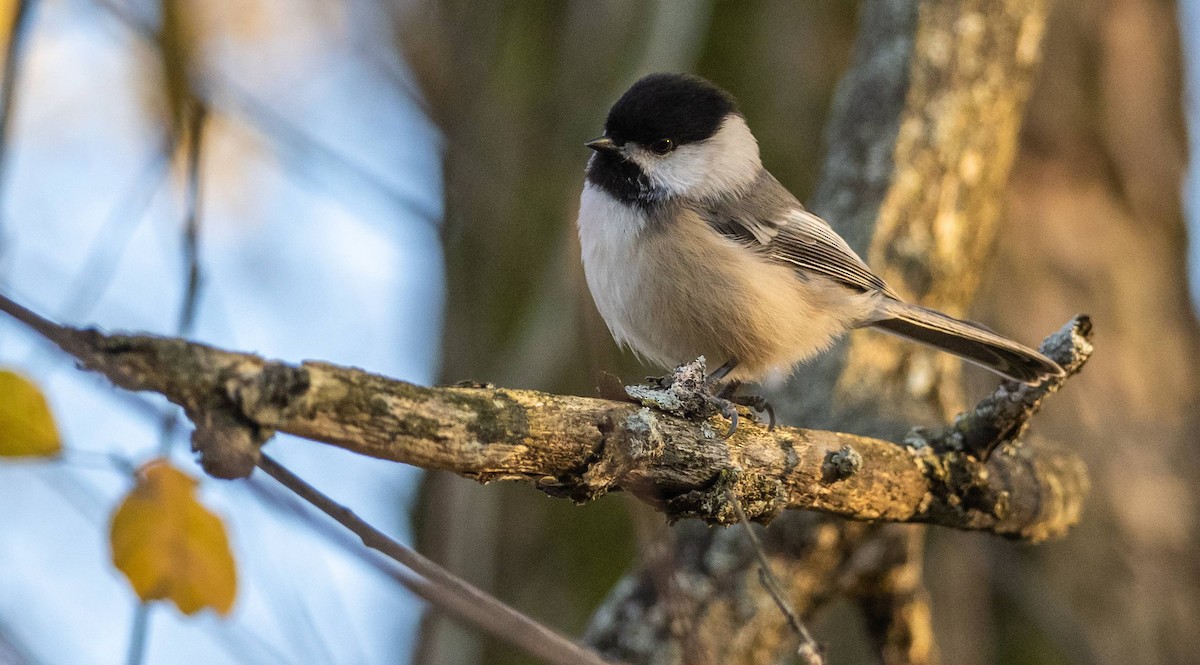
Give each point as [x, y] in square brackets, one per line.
[582, 448]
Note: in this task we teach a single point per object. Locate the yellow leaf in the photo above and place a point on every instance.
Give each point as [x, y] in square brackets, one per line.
[8, 18]
[26, 425]
[170, 546]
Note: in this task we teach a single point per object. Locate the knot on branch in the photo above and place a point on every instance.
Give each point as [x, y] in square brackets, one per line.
[762, 498]
[684, 392]
[228, 447]
[840, 464]
[196, 377]
[265, 393]
[229, 431]
[278, 384]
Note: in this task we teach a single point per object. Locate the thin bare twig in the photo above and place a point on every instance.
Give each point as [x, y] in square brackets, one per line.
[448, 591]
[139, 635]
[809, 650]
[8, 84]
[191, 229]
[39, 324]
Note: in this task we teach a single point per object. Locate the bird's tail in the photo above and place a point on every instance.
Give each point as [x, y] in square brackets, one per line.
[969, 341]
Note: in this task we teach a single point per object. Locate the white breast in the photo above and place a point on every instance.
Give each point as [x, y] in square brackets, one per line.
[608, 234]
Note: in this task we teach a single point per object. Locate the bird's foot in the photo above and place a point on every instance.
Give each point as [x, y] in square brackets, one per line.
[688, 392]
[758, 403]
[726, 408]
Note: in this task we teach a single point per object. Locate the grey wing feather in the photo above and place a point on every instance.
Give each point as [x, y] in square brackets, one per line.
[767, 217]
[810, 243]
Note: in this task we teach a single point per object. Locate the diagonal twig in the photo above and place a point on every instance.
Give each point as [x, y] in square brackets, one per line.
[447, 591]
[1004, 416]
[809, 651]
[191, 228]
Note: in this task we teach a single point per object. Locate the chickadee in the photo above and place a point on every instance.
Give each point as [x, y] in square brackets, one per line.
[691, 247]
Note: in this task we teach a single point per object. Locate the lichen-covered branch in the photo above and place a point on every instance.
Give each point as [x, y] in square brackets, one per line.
[580, 447]
[1004, 416]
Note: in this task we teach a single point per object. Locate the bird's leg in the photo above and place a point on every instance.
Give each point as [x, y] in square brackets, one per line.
[719, 374]
[729, 390]
[716, 399]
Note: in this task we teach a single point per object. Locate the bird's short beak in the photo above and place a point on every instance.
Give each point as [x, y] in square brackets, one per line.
[603, 144]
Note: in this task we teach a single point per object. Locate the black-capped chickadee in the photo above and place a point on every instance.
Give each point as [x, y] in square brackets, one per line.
[691, 247]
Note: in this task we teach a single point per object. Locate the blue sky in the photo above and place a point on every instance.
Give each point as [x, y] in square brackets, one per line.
[324, 247]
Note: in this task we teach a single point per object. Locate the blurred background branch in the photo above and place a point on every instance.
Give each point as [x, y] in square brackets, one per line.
[14, 35]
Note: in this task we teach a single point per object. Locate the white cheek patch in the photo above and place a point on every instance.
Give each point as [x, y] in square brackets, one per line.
[677, 172]
[722, 164]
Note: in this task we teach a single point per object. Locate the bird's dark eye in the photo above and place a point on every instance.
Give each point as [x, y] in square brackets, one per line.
[663, 146]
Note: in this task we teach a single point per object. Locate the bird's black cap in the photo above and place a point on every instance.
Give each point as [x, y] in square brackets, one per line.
[679, 107]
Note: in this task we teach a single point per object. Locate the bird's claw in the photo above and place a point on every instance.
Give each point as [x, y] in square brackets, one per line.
[728, 394]
[758, 403]
[726, 408]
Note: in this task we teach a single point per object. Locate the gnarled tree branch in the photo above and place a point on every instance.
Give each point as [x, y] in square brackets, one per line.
[581, 448]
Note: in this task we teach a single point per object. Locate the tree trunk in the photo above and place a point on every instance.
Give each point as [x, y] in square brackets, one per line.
[1095, 224]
